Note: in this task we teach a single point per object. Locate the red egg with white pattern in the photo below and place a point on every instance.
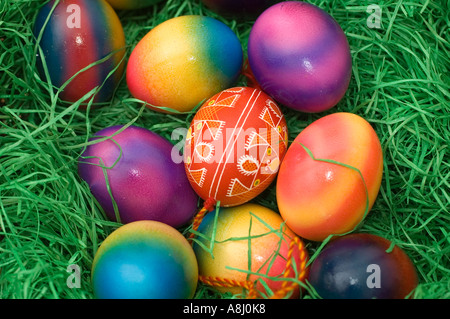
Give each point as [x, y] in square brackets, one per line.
[234, 145]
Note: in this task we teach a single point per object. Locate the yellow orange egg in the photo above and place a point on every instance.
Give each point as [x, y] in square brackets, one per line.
[184, 61]
[246, 245]
[330, 176]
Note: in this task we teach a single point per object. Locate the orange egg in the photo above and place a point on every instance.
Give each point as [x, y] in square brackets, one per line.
[249, 244]
[182, 62]
[330, 176]
[234, 146]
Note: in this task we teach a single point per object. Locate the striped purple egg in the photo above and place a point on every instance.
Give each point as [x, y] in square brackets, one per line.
[134, 169]
[300, 56]
[73, 34]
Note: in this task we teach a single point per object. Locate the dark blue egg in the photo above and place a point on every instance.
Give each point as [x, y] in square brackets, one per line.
[359, 266]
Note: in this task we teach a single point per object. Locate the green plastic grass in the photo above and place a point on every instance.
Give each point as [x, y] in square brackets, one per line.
[400, 84]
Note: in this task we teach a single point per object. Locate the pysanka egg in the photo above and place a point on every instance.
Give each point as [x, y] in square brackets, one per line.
[300, 56]
[184, 61]
[134, 170]
[234, 145]
[254, 232]
[330, 176]
[131, 4]
[80, 33]
[363, 266]
[144, 260]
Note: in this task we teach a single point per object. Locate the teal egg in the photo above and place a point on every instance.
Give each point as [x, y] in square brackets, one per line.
[145, 260]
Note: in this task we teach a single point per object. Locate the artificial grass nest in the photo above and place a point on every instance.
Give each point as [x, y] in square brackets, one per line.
[400, 84]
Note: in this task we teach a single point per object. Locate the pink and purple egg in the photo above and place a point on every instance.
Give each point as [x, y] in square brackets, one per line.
[74, 40]
[133, 169]
[144, 260]
[300, 56]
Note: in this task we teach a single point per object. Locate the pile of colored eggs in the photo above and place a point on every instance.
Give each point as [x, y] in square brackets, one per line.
[236, 145]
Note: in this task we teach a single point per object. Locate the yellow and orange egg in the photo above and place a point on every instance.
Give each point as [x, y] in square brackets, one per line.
[330, 176]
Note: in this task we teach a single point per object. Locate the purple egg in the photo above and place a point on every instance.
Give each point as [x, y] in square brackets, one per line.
[145, 182]
[300, 56]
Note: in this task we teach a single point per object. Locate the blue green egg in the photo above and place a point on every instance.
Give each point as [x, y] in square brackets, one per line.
[145, 260]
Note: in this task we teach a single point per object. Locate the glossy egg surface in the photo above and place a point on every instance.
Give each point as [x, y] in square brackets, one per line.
[144, 260]
[134, 166]
[80, 33]
[300, 56]
[361, 266]
[234, 145]
[184, 61]
[330, 176]
[244, 231]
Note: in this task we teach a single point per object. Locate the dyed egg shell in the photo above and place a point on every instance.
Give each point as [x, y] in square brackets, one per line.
[300, 56]
[184, 61]
[79, 33]
[234, 145]
[238, 8]
[143, 178]
[236, 229]
[145, 260]
[131, 4]
[319, 198]
[358, 266]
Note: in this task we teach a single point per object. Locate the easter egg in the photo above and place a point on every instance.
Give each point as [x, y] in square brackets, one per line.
[249, 231]
[361, 266]
[144, 260]
[132, 168]
[300, 56]
[79, 33]
[184, 61]
[131, 4]
[330, 176]
[234, 145]
[238, 8]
